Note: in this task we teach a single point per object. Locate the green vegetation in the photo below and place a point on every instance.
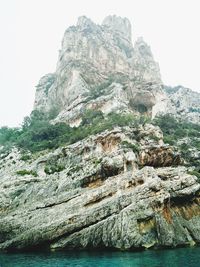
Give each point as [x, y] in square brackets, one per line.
[25, 157]
[54, 168]
[196, 173]
[91, 117]
[99, 90]
[153, 137]
[27, 172]
[97, 161]
[8, 135]
[194, 110]
[188, 133]
[94, 123]
[37, 133]
[105, 87]
[135, 147]
[174, 129]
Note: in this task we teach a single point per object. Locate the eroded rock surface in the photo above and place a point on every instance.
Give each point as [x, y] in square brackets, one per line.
[183, 103]
[101, 192]
[123, 188]
[99, 68]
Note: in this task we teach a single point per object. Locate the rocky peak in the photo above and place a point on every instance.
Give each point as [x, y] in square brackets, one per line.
[121, 188]
[118, 24]
[144, 62]
[142, 48]
[104, 60]
[84, 22]
[99, 68]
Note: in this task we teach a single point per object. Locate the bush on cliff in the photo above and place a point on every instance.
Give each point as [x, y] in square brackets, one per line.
[183, 134]
[37, 133]
[177, 129]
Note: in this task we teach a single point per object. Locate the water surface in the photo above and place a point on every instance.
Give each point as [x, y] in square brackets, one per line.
[182, 257]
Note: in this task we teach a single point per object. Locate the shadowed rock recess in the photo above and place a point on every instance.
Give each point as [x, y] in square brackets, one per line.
[123, 188]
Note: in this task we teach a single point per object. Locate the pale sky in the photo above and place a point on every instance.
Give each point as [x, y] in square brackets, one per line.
[31, 32]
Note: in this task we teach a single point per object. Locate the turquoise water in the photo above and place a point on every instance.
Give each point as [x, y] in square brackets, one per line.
[182, 257]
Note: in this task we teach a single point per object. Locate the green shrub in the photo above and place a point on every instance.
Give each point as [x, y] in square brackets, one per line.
[194, 110]
[135, 147]
[25, 157]
[99, 90]
[177, 129]
[91, 116]
[196, 173]
[169, 140]
[38, 134]
[27, 172]
[97, 161]
[50, 169]
[174, 130]
[153, 137]
[8, 135]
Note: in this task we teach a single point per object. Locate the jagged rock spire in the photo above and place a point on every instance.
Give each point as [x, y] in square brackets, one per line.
[85, 22]
[119, 24]
[91, 55]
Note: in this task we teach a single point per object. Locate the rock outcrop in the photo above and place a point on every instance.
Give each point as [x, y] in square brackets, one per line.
[122, 188]
[99, 68]
[101, 192]
[183, 103]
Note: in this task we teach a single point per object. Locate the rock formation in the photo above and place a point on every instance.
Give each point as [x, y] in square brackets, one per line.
[99, 68]
[183, 103]
[122, 188]
[100, 193]
[101, 58]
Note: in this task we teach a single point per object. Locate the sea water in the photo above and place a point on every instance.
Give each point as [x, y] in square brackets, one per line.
[181, 257]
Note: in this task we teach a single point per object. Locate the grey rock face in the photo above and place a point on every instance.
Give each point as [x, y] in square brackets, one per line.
[183, 103]
[123, 188]
[118, 24]
[42, 90]
[92, 194]
[101, 58]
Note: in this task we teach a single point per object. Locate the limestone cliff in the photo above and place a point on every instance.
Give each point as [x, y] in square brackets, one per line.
[99, 68]
[121, 188]
[117, 189]
[183, 103]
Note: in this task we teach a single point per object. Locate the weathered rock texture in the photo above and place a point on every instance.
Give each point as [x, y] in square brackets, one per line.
[102, 192]
[183, 103]
[121, 189]
[99, 68]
